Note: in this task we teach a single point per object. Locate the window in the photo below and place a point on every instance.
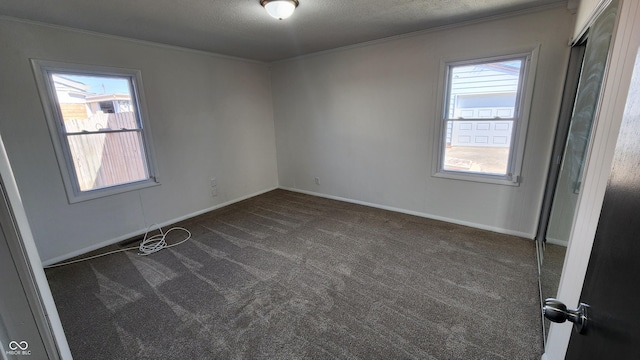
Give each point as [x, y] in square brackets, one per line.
[484, 112]
[98, 125]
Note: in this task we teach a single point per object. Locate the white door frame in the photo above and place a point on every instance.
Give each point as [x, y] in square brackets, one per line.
[626, 44]
[32, 258]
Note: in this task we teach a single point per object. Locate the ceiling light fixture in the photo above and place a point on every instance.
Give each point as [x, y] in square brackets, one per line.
[280, 9]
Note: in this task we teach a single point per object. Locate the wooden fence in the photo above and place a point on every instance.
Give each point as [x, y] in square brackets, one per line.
[106, 159]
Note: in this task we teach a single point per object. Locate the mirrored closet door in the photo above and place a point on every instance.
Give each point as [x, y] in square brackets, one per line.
[585, 74]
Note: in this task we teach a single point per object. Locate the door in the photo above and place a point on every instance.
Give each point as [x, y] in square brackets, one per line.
[612, 284]
[20, 328]
[28, 318]
[569, 181]
[582, 93]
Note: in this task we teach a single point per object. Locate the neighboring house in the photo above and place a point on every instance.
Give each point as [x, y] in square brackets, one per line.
[71, 97]
[485, 91]
[76, 102]
[110, 103]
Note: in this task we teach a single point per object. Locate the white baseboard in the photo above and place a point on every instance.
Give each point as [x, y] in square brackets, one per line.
[417, 213]
[559, 242]
[218, 206]
[140, 232]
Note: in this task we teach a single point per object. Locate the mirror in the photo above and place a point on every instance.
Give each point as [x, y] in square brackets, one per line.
[585, 75]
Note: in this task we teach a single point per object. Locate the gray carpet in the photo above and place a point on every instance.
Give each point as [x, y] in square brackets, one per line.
[290, 276]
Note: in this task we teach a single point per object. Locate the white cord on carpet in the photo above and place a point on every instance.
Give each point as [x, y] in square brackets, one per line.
[148, 246]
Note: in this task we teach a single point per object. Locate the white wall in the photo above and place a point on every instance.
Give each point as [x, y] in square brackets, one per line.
[362, 120]
[209, 115]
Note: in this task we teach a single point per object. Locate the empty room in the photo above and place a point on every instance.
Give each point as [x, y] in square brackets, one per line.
[303, 179]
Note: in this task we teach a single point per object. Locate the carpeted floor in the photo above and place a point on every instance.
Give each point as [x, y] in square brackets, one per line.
[290, 276]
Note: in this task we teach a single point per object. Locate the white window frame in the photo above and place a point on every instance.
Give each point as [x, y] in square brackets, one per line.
[520, 125]
[42, 70]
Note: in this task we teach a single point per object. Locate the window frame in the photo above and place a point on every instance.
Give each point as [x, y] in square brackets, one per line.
[43, 69]
[520, 120]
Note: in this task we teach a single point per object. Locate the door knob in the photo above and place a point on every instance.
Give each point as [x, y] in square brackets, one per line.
[556, 311]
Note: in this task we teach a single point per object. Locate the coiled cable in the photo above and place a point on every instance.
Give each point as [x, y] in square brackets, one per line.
[148, 245]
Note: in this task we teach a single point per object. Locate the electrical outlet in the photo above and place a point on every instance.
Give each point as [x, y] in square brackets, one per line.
[214, 183]
[317, 181]
[214, 191]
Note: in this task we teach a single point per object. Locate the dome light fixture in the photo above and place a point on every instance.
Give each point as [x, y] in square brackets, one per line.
[280, 9]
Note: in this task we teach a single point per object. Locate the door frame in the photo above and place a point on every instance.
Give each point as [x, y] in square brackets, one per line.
[626, 45]
[28, 264]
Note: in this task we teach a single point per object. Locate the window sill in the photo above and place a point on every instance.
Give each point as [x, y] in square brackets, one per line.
[110, 191]
[487, 179]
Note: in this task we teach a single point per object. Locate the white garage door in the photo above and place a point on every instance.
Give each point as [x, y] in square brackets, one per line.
[491, 133]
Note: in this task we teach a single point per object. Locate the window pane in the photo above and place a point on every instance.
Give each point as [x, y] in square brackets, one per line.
[478, 146]
[93, 103]
[480, 110]
[103, 160]
[484, 90]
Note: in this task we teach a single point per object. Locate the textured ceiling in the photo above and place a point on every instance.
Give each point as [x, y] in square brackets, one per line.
[242, 28]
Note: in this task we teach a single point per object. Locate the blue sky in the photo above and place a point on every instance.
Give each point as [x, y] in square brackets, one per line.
[102, 84]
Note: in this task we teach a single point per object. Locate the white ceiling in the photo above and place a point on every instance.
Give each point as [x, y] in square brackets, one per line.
[242, 28]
